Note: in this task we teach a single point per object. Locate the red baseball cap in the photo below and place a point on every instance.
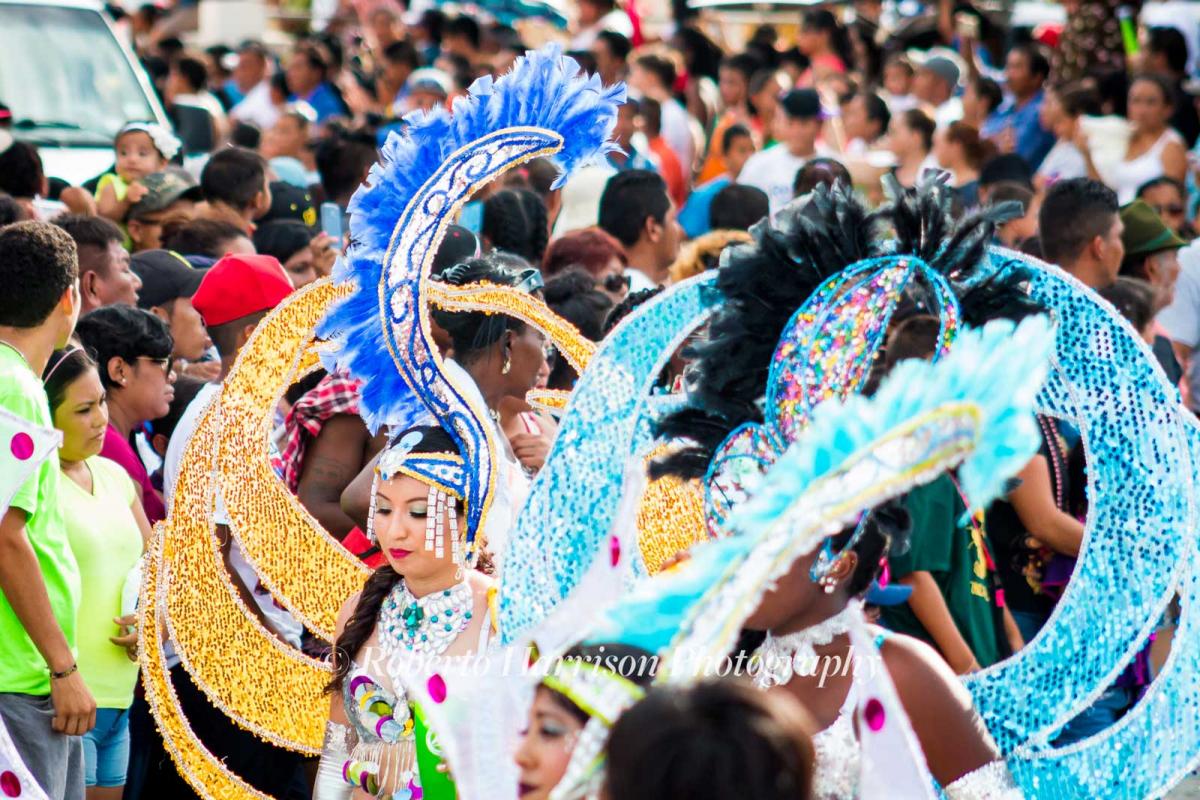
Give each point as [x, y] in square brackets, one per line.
[238, 286]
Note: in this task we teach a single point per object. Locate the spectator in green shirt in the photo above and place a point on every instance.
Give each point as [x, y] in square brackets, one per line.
[954, 604]
[108, 531]
[44, 701]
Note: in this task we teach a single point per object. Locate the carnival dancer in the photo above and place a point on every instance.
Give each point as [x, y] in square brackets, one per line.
[808, 653]
[495, 358]
[583, 688]
[428, 601]
[829, 324]
[853, 454]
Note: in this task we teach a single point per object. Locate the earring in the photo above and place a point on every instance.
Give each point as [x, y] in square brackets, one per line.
[831, 579]
[455, 544]
[507, 365]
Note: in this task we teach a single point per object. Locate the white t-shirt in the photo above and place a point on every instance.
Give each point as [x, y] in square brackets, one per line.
[899, 103]
[774, 171]
[256, 107]
[616, 21]
[205, 100]
[948, 112]
[677, 133]
[279, 619]
[638, 282]
[1063, 162]
[1180, 321]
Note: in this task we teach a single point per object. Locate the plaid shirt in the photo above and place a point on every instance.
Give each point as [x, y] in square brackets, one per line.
[335, 394]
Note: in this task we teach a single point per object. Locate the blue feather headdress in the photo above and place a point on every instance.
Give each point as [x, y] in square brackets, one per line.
[545, 107]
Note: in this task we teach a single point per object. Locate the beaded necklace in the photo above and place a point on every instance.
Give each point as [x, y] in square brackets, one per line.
[1056, 458]
[424, 625]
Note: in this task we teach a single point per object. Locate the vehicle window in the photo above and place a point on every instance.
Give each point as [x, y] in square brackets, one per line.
[65, 77]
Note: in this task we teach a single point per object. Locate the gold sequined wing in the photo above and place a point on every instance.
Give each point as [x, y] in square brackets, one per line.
[260, 682]
[305, 569]
[670, 517]
[203, 771]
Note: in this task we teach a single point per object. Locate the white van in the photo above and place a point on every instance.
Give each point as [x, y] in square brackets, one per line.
[71, 83]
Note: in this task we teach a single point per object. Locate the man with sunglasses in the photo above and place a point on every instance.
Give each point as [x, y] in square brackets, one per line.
[1168, 198]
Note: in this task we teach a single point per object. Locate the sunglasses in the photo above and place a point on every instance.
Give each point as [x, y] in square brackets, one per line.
[529, 280]
[163, 363]
[615, 282]
[1173, 210]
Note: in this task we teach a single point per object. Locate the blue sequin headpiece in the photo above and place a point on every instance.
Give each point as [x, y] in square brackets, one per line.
[443, 471]
[826, 351]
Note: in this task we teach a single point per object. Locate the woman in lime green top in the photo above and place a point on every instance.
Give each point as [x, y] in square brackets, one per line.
[108, 532]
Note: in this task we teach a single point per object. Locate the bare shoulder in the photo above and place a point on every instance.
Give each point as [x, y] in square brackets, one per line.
[346, 611]
[916, 669]
[480, 583]
[952, 735]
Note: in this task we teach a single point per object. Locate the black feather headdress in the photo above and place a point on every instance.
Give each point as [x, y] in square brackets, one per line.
[764, 282]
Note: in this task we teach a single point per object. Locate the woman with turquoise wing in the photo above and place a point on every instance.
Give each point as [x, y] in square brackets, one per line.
[827, 507]
[827, 335]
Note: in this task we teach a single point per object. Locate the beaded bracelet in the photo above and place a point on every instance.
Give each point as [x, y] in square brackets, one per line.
[68, 671]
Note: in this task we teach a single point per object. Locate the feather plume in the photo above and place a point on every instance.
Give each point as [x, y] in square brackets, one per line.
[762, 282]
[545, 91]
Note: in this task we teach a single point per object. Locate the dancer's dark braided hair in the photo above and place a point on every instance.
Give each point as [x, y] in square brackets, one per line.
[515, 221]
[362, 622]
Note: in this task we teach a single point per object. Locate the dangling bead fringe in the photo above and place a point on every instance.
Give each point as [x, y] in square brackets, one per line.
[440, 514]
[430, 517]
[371, 510]
[455, 544]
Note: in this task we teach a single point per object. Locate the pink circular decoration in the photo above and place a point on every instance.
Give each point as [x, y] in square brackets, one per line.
[10, 784]
[436, 688]
[22, 448]
[874, 714]
[614, 550]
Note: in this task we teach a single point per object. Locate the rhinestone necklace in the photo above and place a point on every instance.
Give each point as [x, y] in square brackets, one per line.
[424, 625]
[782, 657]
